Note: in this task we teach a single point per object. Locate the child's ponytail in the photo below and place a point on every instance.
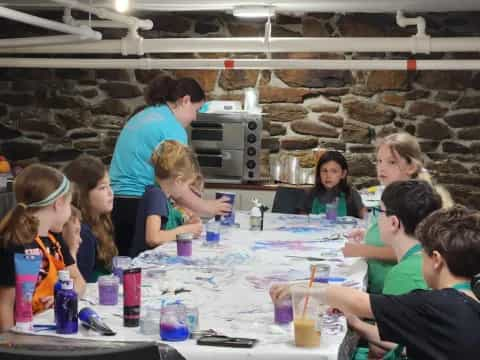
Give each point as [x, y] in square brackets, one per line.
[18, 227]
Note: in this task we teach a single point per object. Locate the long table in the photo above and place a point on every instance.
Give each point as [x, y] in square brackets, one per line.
[229, 284]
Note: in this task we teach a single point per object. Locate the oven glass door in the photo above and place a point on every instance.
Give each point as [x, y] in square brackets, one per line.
[226, 163]
[217, 136]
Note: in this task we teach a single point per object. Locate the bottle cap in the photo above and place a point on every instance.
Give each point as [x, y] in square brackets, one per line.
[67, 285]
[63, 275]
[255, 211]
[185, 237]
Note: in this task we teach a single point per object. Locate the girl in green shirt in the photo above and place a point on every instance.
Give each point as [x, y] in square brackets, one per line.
[399, 157]
[331, 185]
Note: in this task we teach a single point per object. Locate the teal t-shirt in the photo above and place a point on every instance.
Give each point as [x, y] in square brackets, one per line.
[405, 276]
[130, 169]
[377, 269]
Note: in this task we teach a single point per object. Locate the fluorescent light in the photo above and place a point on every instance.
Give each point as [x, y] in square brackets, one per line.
[253, 11]
[122, 5]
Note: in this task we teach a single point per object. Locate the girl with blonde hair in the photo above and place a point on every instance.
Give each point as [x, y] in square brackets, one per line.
[176, 170]
[399, 157]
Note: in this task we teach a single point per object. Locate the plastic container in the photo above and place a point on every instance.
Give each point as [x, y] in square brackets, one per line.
[173, 323]
[184, 244]
[213, 233]
[108, 289]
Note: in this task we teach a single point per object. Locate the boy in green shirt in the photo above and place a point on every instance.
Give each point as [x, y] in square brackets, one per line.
[404, 205]
[441, 323]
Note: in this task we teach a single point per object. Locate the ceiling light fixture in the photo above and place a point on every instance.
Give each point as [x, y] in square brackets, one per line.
[253, 11]
[122, 5]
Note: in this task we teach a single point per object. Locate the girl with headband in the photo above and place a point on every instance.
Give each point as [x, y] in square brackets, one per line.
[43, 196]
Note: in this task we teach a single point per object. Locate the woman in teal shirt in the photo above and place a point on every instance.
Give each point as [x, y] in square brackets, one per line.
[171, 106]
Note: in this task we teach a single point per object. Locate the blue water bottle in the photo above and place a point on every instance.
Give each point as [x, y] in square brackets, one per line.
[66, 309]
[63, 277]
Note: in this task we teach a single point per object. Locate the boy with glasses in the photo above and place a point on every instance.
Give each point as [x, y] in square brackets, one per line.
[439, 324]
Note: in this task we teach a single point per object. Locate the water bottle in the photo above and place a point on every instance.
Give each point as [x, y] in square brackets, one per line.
[66, 309]
[63, 277]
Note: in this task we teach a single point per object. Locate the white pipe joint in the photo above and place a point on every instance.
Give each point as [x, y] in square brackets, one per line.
[419, 21]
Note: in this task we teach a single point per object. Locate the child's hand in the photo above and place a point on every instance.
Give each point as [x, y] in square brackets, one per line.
[71, 235]
[221, 206]
[352, 249]
[279, 291]
[47, 301]
[195, 229]
[356, 235]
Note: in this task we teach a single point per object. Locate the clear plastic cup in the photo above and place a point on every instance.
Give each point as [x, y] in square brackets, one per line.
[120, 263]
[212, 236]
[307, 316]
[322, 272]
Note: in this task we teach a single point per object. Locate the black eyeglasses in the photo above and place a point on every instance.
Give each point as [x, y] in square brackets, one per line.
[377, 210]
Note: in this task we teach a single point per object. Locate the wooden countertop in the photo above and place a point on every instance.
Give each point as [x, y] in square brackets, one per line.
[253, 186]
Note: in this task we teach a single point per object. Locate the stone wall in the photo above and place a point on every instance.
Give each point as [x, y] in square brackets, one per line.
[53, 115]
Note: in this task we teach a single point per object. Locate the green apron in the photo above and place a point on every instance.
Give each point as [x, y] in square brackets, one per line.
[320, 208]
[377, 269]
[175, 217]
[395, 354]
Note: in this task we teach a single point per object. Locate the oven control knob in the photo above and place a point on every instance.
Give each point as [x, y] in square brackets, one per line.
[251, 164]
[252, 125]
[251, 151]
[251, 138]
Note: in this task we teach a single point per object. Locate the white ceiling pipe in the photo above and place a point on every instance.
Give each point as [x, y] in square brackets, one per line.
[39, 40]
[300, 6]
[84, 32]
[254, 64]
[418, 21]
[412, 44]
[130, 21]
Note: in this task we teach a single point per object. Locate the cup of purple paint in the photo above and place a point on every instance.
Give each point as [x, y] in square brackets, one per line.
[283, 311]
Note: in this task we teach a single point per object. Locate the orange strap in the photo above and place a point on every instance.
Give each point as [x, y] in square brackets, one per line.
[45, 287]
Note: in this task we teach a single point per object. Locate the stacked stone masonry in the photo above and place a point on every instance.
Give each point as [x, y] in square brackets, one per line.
[53, 115]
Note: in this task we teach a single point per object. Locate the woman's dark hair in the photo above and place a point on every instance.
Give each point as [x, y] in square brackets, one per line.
[163, 89]
[337, 157]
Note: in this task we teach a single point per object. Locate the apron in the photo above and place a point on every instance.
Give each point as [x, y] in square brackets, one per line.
[45, 286]
[320, 208]
[175, 217]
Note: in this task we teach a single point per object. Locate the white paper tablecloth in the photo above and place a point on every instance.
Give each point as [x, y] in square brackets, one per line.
[229, 284]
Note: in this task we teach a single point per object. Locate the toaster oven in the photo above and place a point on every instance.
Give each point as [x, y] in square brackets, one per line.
[228, 145]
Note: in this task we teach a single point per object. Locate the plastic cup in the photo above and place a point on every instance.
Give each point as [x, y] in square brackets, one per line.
[120, 263]
[283, 311]
[213, 233]
[331, 211]
[229, 218]
[108, 290]
[184, 244]
[322, 273]
[173, 323]
[307, 316]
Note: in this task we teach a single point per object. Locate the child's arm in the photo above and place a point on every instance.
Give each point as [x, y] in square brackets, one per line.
[203, 207]
[78, 280]
[369, 332]
[347, 300]
[7, 307]
[384, 253]
[155, 237]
